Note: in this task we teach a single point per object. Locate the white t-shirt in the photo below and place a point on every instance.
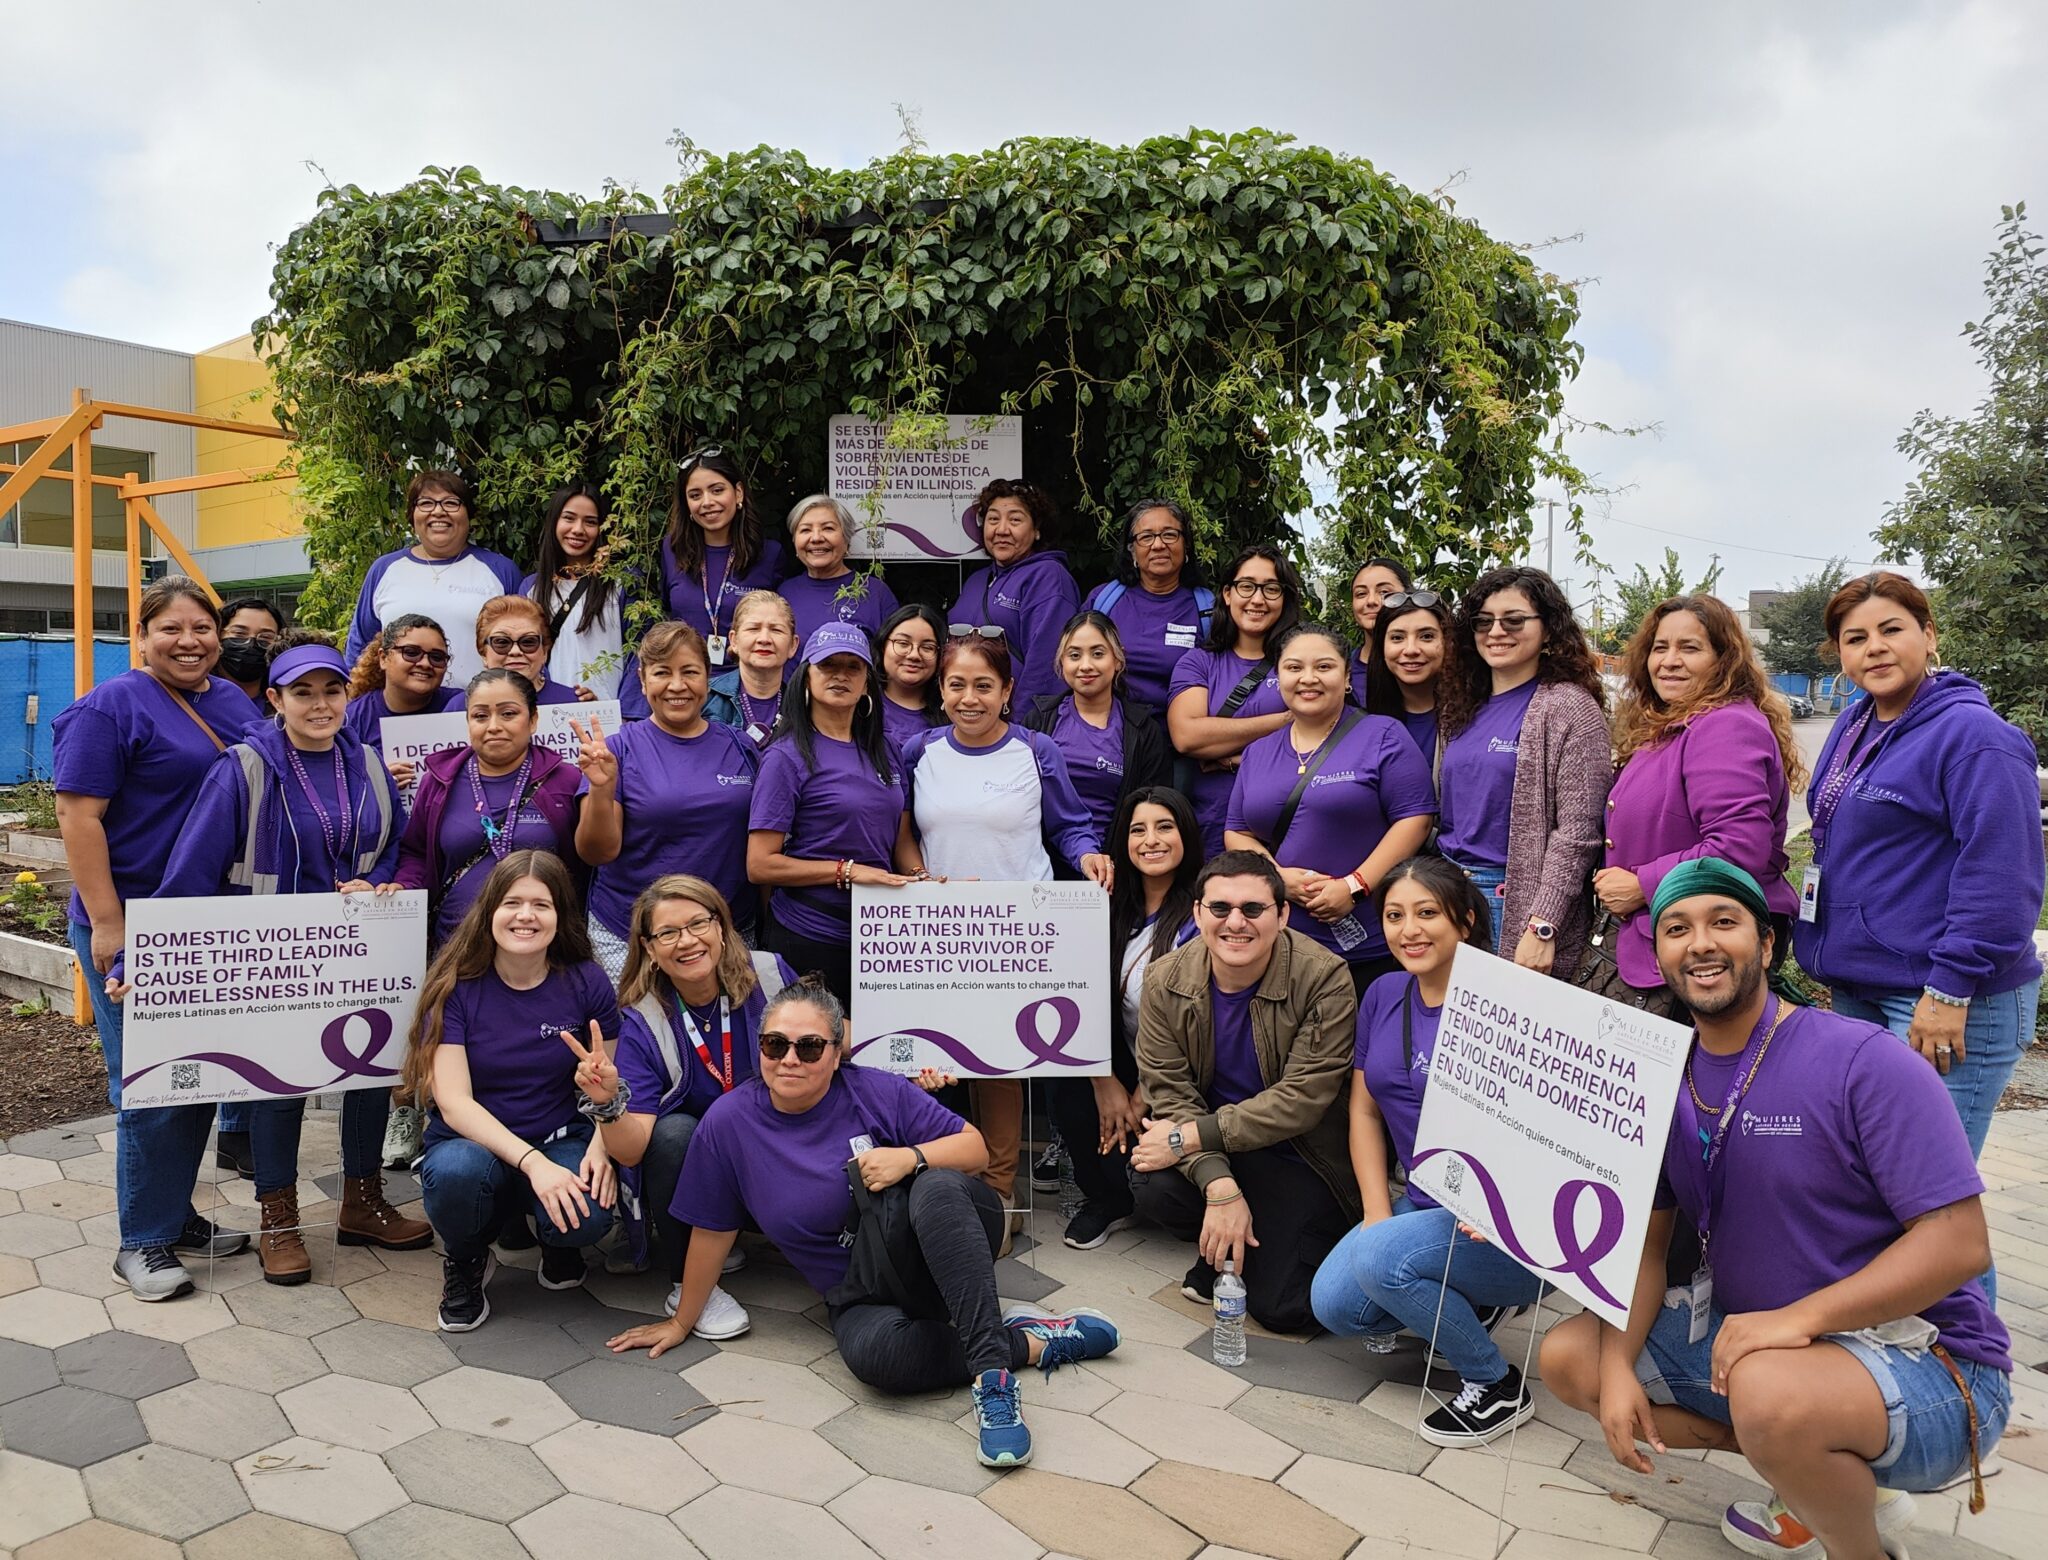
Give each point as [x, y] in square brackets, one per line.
[571, 662]
[451, 592]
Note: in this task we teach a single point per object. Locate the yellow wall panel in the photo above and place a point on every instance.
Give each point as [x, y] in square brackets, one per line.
[230, 381]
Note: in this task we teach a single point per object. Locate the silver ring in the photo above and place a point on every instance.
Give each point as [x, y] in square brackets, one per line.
[1944, 1050]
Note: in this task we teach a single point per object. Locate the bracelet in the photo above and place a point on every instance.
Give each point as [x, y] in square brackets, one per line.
[1222, 1202]
[1945, 999]
[608, 1112]
[519, 1164]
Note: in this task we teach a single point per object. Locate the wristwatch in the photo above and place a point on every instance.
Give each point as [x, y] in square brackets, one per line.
[922, 1164]
[1176, 1142]
[1543, 929]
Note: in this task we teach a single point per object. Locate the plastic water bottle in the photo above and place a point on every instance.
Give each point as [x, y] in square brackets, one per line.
[1227, 1348]
[1382, 1343]
[1070, 1189]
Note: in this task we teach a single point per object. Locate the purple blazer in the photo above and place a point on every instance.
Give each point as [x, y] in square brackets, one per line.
[1713, 787]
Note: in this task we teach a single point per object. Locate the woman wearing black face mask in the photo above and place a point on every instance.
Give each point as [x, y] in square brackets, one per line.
[250, 629]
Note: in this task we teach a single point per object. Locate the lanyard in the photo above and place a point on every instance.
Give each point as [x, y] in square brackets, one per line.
[337, 832]
[704, 584]
[498, 837]
[1711, 1145]
[724, 1080]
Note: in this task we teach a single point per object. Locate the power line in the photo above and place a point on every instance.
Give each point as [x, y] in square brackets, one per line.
[1718, 541]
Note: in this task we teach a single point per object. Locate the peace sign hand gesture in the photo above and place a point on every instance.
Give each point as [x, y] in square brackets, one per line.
[595, 1074]
[600, 765]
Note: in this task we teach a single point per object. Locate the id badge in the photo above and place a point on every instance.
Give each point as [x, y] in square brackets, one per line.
[714, 649]
[757, 734]
[1700, 1297]
[1809, 894]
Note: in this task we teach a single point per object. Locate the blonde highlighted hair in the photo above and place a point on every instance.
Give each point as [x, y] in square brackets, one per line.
[643, 976]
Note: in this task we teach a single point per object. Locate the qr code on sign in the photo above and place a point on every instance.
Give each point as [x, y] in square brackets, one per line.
[1454, 1177]
[184, 1076]
[902, 1050]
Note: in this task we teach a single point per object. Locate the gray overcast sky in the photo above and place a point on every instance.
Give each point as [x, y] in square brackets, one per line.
[1785, 207]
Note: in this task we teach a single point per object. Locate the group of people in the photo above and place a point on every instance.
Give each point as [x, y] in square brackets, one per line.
[633, 1027]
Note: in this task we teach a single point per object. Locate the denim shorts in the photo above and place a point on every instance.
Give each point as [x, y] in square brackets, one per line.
[1928, 1428]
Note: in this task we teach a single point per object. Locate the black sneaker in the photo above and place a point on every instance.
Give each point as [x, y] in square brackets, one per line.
[463, 1305]
[1091, 1227]
[517, 1235]
[562, 1267]
[1490, 1317]
[203, 1236]
[1200, 1284]
[1478, 1413]
[1045, 1169]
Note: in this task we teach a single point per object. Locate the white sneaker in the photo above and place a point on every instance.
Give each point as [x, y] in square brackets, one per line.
[403, 1134]
[735, 1260]
[723, 1317]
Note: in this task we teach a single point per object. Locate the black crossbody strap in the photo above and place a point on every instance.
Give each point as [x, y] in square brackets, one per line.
[1247, 685]
[562, 612]
[1288, 808]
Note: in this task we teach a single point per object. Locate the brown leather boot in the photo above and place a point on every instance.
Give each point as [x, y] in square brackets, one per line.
[279, 1249]
[368, 1220]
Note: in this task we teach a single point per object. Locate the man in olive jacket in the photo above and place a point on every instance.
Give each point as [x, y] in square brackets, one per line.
[1245, 1043]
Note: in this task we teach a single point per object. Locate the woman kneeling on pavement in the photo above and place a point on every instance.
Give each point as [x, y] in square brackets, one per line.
[775, 1151]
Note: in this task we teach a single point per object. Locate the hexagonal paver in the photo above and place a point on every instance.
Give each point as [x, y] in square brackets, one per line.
[299, 1310]
[1400, 1507]
[192, 1316]
[251, 1357]
[55, 1142]
[406, 1299]
[593, 1330]
[735, 1524]
[101, 1169]
[919, 1450]
[97, 1540]
[80, 1270]
[18, 1172]
[767, 1389]
[214, 1419]
[383, 1351]
[420, 1532]
[1244, 1513]
[1188, 1432]
[575, 1527]
[51, 1317]
[631, 1467]
[36, 1498]
[124, 1365]
[25, 1370]
[350, 1412]
[514, 1346]
[474, 1474]
[164, 1491]
[903, 1519]
[72, 1426]
[758, 1454]
[1082, 1518]
[486, 1402]
[333, 1487]
[615, 1393]
[17, 1274]
[260, 1536]
[70, 1200]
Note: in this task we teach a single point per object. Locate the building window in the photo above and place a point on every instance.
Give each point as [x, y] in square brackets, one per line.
[43, 517]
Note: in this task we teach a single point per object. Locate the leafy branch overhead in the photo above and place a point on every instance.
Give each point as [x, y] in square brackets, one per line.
[1259, 329]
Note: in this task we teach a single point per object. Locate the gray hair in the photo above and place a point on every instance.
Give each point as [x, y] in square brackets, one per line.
[823, 501]
[810, 989]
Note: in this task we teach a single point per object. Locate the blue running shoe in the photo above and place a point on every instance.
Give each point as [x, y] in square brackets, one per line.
[1069, 1337]
[999, 1415]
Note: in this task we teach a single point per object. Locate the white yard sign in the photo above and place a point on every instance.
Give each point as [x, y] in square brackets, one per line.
[926, 496]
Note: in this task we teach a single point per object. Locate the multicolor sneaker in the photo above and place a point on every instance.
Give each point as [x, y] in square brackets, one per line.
[1767, 1529]
[1068, 1338]
[999, 1418]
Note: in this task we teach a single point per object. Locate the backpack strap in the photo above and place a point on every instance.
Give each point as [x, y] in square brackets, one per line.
[256, 776]
[1205, 608]
[1109, 596]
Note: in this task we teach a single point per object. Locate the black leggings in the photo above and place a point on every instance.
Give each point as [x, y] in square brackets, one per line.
[1104, 1179]
[832, 960]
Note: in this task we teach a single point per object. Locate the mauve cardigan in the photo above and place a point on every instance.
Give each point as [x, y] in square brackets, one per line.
[1563, 768]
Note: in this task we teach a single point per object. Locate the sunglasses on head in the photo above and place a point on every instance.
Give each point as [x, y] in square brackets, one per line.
[1409, 598]
[698, 455]
[975, 630]
[808, 1047]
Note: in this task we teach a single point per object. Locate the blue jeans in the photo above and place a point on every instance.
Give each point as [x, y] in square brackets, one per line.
[156, 1152]
[274, 1136]
[1389, 1275]
[1927, 1440]
[1492, 885]
[470, 1194]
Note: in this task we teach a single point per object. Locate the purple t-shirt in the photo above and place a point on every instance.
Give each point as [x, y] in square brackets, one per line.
[1219, 672]
[1396, 1076]
[519, 1068]
[465, 845]
[1370, 777]
[1479, 780]
[686, 801]
[128, 741]
[552, 692]
[899, 725]
[1157, 631]
[1358, 678]
[640, 1062]
[1421, 729]
[1095, 760]
[686, 594]
[787, 1171]
[1237, 1077]
[365, 713]
[1844, 1136]
[838, 810]
[816, 602]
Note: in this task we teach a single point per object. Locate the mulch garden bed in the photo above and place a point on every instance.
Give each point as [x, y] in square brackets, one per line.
[51, 1072]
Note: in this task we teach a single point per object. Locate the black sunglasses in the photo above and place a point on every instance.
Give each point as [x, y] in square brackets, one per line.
[505, 644]
[1251, 909]
[412, 655]
[808, 1049]
[1409, 598]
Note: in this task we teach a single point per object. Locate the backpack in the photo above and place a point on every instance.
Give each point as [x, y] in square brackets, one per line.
[256, 775]
[1205, 604]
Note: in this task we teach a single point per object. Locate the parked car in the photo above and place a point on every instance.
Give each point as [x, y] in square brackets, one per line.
[1802, 706]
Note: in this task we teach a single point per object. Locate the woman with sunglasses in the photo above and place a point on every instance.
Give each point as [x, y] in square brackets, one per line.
[828, 808]
[910, 640]
[1411, 642]
[1027, 591]
[773, 1151]
[820, 531]
[715, 552]
[478, 805]
[1110, 742]
[511, 634]
[764, 641]
[1389, 1272]
[1527, 761]
[1154, 600]
[1374, 580]
[440, 575]
[512, 1006]
[690, 1006]
[1225, 696]
[400, 672]
[666, 794]
[585, 612]
[250, 630]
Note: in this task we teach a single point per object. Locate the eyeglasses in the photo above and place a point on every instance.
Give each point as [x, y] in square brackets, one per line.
[808, 1049]
[1409, 598]
[1508, 622]
[262, 636]
[906, 646]
[975, 630]
[1251, 909]
[439, 506]
[700, 927]
[1244, 590]
[412, 655]
[505, 644]
[1160, 538]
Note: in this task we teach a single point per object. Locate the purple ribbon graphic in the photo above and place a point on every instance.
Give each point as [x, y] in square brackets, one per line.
[970, 525]
[334, 1045]
[1578, 1260]
[1067, 1024]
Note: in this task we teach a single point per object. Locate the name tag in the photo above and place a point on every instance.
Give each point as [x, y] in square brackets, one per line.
[860, 1145]
[1809, 895]
[1181, 635]
[714, 649]
[1700, 1300]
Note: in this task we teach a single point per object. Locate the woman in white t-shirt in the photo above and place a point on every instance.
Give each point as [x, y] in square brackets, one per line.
[440, 575]
[586, 612]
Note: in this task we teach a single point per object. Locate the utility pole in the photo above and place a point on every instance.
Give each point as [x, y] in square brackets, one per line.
[1550, 539]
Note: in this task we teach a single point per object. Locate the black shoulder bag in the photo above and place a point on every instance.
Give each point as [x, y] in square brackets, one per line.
[884, 1264]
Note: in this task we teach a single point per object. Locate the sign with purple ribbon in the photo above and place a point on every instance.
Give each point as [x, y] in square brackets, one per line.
[925, 494]
[1544, 1123]
[982, 980]
[268, 997]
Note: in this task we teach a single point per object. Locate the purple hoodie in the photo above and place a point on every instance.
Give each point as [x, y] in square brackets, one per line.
[1030, 600]
[556, 785]
[1930, 867]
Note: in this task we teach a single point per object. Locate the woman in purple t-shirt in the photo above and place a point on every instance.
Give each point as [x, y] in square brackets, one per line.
[1371, 583]
[1411, 644]
[400, 672]
[1156, 602]
[511, 1006]
[820, 531]
[1389, 1272]
[910, 641]
[1111, 742]
[714, 552]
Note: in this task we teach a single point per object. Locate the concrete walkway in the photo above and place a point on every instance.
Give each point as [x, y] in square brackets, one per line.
[332, 1419]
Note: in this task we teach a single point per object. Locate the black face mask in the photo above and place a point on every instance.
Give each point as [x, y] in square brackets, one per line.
[244, 660]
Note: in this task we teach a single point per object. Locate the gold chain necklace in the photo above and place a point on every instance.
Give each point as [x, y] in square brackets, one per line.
[1303, 760]
[1715, 1110]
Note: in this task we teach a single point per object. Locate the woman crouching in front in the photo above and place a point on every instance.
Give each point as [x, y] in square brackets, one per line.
[775, 1151]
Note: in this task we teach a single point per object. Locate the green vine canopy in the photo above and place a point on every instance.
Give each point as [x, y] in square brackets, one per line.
[1260, 330]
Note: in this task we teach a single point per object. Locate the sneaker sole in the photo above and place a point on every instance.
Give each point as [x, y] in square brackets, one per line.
[1006, 1460]
[185, 1288]
[567, 1283]
[1019, 1311]
[1102, 1239]
[699, 1331]
[1190, 1292]
[441, 1319]
[217, 1253]
[1458, 1438]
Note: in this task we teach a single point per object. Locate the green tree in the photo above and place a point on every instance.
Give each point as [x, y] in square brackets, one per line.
[1220, 319]
[1794, 624]
[1636, 596]
[1976, 511]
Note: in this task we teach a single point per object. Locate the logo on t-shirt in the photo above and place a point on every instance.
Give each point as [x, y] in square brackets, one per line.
[1503, 745]
[1108, 765]
[859, 1145]
[1333, 777]
[1181, 636]
[1778, 1124]
[735, 779]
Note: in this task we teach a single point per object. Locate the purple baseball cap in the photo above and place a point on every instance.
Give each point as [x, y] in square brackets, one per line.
[830, 639]
[296, 662]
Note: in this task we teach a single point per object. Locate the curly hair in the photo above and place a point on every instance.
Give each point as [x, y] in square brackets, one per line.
[1643, 718]
[1032, 497]
[368, 675]
[1566, 658]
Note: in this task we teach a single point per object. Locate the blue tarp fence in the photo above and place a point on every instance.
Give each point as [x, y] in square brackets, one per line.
[36, 681]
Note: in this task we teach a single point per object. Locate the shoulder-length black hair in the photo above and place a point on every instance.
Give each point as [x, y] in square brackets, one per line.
[1126, 558]
[1567, 657]
[1455, 891]
[794, 723]
[932, 619]
[1382, 687]
[1127, 895]
[1223, 631]
[686, 537]
[550, 560]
